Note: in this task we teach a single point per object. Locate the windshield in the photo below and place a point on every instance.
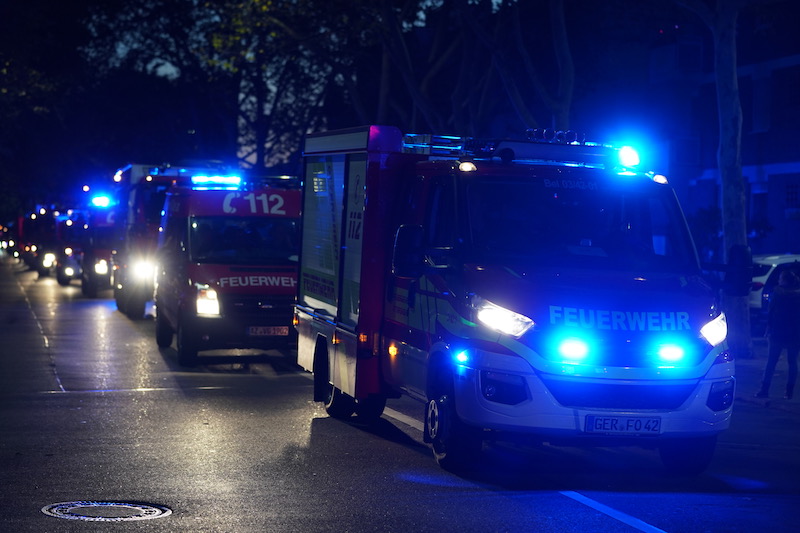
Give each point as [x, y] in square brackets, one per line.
[578, 223]
[242, 241]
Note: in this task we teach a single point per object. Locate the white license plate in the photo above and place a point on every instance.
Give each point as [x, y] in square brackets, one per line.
[268, 331]
[623, 425]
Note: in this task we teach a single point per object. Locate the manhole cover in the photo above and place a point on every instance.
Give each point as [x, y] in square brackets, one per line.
[95, 511]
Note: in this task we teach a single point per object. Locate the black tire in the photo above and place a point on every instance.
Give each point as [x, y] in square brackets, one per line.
[89, 288]
[689, 456]
[163, 331]
[135, 307]
[187, 348]
[119, 297]
[369, 410]
[338, 404]
[456, 446]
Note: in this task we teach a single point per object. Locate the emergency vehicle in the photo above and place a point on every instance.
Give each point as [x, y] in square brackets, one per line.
[227, 265]
[101, 237]
[141, 190]
[537, 287]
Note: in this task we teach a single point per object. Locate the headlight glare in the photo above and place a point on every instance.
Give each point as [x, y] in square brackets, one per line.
[207, 301]
[716, 331]
[500, 319]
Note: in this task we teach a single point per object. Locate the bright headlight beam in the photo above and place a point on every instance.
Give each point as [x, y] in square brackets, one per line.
[715, 331]
[501, 319]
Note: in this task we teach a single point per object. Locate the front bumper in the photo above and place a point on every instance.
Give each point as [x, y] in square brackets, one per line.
[506, 393]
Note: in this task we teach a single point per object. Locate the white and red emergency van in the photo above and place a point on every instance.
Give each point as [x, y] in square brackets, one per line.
[227, 264]
[537, 287]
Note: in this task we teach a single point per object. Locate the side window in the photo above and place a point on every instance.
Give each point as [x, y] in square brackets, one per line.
[441, 216]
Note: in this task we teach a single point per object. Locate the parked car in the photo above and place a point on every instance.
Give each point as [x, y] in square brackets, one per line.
[766, 270]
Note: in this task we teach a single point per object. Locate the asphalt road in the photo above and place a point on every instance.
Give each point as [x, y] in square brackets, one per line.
[92, 412]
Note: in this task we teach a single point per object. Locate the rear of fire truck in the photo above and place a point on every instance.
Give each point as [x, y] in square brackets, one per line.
[227, 265]
[530, 287]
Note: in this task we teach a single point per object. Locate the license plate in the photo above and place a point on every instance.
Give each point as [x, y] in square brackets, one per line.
[268, 331]
[623, 425]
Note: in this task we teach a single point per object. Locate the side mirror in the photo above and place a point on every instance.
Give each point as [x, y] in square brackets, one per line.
[408, 258]
[739, 271]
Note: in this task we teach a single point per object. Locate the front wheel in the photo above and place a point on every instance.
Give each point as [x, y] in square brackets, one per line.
[689, 456]
[187, 349]
[455, 445]
[163, 331]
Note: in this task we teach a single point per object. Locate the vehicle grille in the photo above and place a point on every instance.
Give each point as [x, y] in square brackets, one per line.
[618, 396]
[266, 309]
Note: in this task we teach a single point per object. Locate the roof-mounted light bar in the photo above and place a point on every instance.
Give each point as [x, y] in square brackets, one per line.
[540, 145]
[226, 183]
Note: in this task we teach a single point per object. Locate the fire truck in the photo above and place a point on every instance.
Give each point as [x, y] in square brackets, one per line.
[542, 287]
[101, 237]
[141, 190]
[227, 265]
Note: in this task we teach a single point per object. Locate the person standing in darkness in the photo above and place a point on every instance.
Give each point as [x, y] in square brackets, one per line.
[783, 331]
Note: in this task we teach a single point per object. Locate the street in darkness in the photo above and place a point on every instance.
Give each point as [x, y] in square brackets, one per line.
[94, 414]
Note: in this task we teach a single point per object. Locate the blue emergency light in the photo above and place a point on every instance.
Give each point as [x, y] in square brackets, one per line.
[101, 201]
[227, 183]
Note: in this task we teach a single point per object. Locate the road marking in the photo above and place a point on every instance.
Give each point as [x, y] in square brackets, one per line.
[400, 417]
[139, 389]
[597, 506]
[613, 513]
[44, 336]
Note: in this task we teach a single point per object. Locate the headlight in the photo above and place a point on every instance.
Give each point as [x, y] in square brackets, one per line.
[49, 260]
[207, 302]
[499, 318]
[716, 331]
[143, 270]
[69, 272]
[101, 267]
[68, 251]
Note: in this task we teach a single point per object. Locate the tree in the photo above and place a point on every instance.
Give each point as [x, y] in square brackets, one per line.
[721, 17]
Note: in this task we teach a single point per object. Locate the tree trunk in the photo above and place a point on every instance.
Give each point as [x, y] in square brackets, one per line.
[730, 164]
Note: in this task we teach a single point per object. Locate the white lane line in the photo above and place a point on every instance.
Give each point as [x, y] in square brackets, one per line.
[400, 417]
[613, 513]
[44, 336]
[139, 389]
[597, 506]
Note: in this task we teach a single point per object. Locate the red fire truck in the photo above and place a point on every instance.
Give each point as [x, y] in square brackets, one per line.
[227, 265]
[536, 287]
[141, 190]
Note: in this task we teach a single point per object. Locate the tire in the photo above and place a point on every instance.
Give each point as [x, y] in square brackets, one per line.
[338, 404]
[689, 456]
[369, 410]
[163, 331]
[456, 446]
[135, 307]
[63, 281]
[187, 349]
[119, 297]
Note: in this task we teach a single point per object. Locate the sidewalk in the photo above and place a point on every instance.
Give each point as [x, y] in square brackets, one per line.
[748, 381]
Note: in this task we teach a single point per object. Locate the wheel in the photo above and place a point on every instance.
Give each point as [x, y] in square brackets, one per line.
[187, 349]
[338, 404]
[135, 306]
[370, 409]
[62, 280]
[163, 331]
[119, 297]
[456, 446]
[689, 456]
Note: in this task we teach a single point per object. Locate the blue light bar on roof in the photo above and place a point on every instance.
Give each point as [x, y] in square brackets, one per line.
[216, 182]
[101, 201]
